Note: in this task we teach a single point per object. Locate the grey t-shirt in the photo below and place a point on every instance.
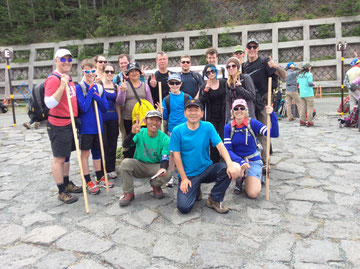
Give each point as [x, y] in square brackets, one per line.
[291, 80]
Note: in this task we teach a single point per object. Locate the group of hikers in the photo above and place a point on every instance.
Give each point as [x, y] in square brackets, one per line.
[214, 123]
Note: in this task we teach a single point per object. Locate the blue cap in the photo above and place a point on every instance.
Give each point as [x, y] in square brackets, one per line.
[174, 76]
[288, 65]
[353, 62]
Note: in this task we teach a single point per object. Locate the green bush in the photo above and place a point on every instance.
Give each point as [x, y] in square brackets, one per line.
[326, 31]
[89, 51]
[169, 45]
[74, 49]
[203, 41]
[21, 56]
[355, 31]
[227, 40]
[117, 48]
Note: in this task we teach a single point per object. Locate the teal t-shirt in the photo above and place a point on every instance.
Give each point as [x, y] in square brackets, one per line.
[194, 146]
[151, 149]
[304, 88]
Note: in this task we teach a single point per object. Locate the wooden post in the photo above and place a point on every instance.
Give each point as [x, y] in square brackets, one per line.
[268, 125]
[161, 108]
[101, 144]
[77, 149]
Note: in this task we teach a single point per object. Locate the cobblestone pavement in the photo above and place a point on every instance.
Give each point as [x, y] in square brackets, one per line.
[312, 219]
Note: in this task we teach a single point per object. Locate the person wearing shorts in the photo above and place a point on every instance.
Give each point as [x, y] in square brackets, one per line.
[59, 123]
[242, 146]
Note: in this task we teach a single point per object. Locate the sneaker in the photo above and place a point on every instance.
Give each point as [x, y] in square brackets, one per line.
[112, 175]
[27, 125]
[36, 125]
[170, 183]
[92, 188]
[238, 186]
[126, 199]
[218, 206]
[302, 123]
[102, 183]
[308, 124]
[67, 198]
[158, 192]
[72, 188]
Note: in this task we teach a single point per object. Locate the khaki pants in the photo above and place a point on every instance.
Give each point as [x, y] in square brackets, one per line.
[307, 108]
[130, 168]
[290, 96]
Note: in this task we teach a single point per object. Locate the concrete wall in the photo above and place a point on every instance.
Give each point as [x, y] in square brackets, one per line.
[299, 41]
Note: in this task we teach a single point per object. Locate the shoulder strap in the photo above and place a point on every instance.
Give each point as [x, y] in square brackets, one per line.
[195, 77]
[232, 132]
[167, 103]
[135, 93]
[257, 142]
[83, 88]
[118, 79]
[223, 72]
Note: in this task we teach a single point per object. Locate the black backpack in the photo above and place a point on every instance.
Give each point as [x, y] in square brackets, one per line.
[3, 108]
[167, 101]
[38, 111]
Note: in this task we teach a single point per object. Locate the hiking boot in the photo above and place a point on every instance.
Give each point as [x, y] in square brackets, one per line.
[308, 124]
[112, 175]
[171, 182]
[92, 188]
[36, 125]
[218, 206]
[238, 186]
[72, 188]
[158, 192]
[102, 183]
[126, 199]
[27, 125]
[291, 119]
[199, 197]
[67, 198]
[302, 123]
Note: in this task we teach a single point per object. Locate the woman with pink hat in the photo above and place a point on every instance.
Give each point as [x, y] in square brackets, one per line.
[244, 148]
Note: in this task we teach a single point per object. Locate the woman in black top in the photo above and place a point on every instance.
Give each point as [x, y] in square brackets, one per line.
[212, 96]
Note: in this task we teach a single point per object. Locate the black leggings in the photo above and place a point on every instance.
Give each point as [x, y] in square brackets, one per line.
[219, 127]
[110, 137]
[130, 152]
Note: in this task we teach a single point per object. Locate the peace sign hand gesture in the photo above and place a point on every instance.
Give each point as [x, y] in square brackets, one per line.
[137, 126]
[153, 81]
[123, 85]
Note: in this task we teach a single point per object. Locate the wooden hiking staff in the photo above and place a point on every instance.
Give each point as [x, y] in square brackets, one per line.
[101, 145]
[268, 140]
[77, 149]
[161, 108]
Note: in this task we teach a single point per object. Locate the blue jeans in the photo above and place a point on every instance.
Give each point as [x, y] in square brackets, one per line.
[214, 173]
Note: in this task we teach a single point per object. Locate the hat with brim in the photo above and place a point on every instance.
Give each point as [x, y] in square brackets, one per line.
[193, 102]
[290, 64]
[132, 66]
[153, 113]
[174, 76]
[252, 40]
[238, 48]
[61, 53]
[306, 66]
[239, 102]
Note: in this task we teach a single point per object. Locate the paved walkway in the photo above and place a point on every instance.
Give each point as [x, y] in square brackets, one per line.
[311, 221]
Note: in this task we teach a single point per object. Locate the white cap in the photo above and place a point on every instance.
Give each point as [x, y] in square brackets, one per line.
[62, 52]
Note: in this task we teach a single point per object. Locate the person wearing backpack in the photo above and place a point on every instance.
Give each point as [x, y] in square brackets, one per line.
[191, 81]
[212, 97]
[130, 95]
[59, 123]
[87, 93]
[305, 81]
[241, 142]
[212, 57]
[123, 61]
[174, 106]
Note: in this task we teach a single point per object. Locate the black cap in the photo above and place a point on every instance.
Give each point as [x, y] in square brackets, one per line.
[194, 102]
[132, 66]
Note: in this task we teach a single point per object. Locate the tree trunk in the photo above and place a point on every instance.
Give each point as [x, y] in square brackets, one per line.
[79, 1]
[94, 4]
[9, 14]
[33, 11]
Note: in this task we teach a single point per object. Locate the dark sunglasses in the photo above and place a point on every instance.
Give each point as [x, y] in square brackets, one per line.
[232, 66]
[102, 62]
[209, 72]
[252, 47]
[238, 52]
[172, 83]
[185, 62]
[237, 108]
[109, 72]
[89, 71]
[63, 60]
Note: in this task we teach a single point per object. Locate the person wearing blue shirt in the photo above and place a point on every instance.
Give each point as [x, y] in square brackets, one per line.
[305, 81]
[190, 143]
[87, 92]
[240, 141]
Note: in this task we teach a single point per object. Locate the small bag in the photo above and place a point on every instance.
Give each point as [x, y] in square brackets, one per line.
[141, 107]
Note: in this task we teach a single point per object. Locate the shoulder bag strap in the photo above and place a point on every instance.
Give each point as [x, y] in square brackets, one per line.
[135, 93]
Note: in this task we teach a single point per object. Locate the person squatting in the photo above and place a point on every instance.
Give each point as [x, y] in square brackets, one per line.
[214, 110]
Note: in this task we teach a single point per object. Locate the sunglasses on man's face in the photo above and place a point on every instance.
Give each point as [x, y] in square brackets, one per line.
[238, 52]
[185, 62]
[172, 83]
[109, 72]
[102, 62]
[231, 66]
[89, 71]
[237, 108]
[210, 72]
[63, 60]
[252, 47]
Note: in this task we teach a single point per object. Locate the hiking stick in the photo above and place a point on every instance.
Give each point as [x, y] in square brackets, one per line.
[268, 140]
[77, 149]
[101, 145]
[161, 108]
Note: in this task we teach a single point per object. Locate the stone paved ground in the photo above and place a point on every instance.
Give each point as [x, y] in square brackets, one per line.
[311, 221]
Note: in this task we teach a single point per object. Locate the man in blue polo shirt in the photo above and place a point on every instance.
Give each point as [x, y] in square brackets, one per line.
[190, 143]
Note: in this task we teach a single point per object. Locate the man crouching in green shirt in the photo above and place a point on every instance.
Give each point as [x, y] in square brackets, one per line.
[151, 157]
